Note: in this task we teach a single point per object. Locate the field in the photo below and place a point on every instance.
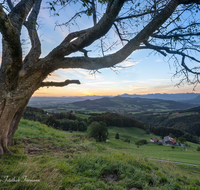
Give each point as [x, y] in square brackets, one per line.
[151, 150]
[46, 158]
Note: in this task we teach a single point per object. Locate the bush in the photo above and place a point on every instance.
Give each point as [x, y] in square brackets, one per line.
[147, 131]
[141, 142]
[98, 131]
[198, 148]
[127, 140]
[181, 139]
[117, 136]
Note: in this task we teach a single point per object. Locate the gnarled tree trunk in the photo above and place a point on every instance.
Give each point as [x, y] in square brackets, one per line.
[12, 107]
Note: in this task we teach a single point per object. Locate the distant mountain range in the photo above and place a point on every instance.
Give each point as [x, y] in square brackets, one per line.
[155, 101]
[133, 104]
[174, 97]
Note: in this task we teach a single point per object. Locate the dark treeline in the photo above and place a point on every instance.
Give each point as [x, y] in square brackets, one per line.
[189, 124]
[113, 119]
[69, 121]
[65, 121]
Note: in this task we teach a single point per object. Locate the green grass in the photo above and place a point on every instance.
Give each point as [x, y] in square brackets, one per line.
[71, 161]
[83, 116]
[151, 150]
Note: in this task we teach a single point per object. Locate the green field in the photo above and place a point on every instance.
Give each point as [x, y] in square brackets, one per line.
[61, 160]
[151, 150]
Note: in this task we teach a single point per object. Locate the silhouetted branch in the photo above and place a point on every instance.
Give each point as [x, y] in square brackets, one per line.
[60, 84]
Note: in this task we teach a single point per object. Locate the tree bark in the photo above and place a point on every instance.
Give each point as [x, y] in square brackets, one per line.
[13, 104]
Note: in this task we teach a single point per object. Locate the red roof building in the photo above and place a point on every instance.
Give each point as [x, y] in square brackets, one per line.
[173, 141]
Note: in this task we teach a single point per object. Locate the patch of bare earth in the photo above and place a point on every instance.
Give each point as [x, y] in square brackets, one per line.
[113, 177]
[110, 177]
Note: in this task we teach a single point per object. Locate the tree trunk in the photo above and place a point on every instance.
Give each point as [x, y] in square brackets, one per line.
[11, 114]
[12, 106]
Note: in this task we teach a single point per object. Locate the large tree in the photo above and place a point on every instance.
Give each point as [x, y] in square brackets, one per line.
[166, 26]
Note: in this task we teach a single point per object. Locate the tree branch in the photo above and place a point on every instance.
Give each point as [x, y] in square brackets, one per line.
[35, 50]
[60, 84]
[90, 35]
[122, 54]
[11, 40]
[19, 13]
[167, 49]
[94, 13]
[10, 4]
[134, 16]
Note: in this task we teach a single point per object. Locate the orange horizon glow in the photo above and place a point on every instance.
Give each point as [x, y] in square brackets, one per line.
[69, 93]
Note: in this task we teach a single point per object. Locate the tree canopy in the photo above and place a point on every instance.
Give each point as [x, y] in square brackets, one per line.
[168, 27]
[98, 131]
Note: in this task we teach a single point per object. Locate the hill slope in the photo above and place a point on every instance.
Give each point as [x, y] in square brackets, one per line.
[52, 159]
[131, 103]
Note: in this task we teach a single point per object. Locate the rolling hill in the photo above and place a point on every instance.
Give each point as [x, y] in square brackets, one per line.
[134, 104]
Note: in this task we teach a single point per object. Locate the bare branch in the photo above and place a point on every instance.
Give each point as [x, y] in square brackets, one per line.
[134, 16]
[11, 39]
[186, 67]
[94, 13]
[19, 13]
[60, 84]
[10, 4]
[35, 50]
[94, 33]
[119, 34]
[85, 52]
[177, 36]
[174, 32]
[149, 46]
[122, 54]
[72, 18]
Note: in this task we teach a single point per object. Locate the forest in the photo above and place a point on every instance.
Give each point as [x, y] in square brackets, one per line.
[71, 121]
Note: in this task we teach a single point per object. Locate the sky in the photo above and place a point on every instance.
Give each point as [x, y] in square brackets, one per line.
[142, 73]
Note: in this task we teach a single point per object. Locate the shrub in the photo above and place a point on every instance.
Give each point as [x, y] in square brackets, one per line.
[147, 131]
[99, 131]
[117, 136]
[141, 142]
[198, 148]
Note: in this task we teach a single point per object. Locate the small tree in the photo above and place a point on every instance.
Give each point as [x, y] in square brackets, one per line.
[181, 139]
[117, 136]
[198, 148]
[98, 131]
[147, 131]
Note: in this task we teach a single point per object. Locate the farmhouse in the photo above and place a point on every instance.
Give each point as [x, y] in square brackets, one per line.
[169, 140]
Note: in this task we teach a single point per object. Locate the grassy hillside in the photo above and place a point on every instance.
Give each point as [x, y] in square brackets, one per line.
[151, 150]
[45, 158]
[185, 120]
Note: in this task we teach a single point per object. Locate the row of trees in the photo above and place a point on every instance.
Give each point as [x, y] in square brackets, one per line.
[189, 124]
[65, 121]
[67, 124]
[113, 119]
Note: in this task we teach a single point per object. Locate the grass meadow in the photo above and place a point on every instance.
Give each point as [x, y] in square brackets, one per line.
[46, 158]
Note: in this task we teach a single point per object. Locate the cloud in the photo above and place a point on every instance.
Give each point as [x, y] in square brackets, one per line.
[159, 60]
[100, 83]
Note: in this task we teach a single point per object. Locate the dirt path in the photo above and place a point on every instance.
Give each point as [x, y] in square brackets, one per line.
[173, 162]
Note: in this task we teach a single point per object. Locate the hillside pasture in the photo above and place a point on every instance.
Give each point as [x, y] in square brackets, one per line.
[151, 150]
